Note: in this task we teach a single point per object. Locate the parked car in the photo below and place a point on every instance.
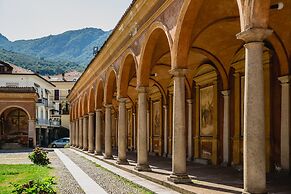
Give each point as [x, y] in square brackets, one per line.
[60, 143]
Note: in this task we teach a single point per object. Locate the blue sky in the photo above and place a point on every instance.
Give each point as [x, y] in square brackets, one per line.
[28, 19]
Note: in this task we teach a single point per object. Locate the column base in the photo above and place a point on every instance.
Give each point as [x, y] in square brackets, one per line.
[80, 147]
[91, 151]
[143, 167]
[189, 159]
[98, 153]
[257, 192]
[122, 162]
[107, 156]
[179, 178]
[165, 155]
[85, 149]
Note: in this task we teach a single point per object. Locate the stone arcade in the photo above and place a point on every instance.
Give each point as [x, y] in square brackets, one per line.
[192, 80]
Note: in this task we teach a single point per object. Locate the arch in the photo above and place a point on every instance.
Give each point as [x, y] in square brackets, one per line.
[156, 33]
[281, 53]
[16, 106]
[128, 65]
[91, 100]
[217, 64]
[110, 86]
[99, 95]
[183, 39]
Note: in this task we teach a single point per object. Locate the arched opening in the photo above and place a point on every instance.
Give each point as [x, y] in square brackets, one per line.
[154, 72]
[127, 89]
[110, 98]
[14, 127]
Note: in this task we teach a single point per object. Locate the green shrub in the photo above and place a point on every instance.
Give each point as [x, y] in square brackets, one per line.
[39, 157]
[44, 186]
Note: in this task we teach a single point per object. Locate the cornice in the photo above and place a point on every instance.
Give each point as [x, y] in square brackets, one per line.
[121, 40]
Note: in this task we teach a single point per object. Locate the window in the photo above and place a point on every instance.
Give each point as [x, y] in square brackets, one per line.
[57, 94]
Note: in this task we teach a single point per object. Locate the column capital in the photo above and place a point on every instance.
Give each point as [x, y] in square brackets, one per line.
[178, 72]
[98, 110]
[91, 114]
[107, 105]
[225, 92]
[80, 118]
[142, 89]
[189, 101]
[122, 99]
[165, 106]
[86, 116]
[254, 34]
[285, 79]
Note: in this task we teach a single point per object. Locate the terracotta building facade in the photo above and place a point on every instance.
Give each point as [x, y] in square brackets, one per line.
[192, 80]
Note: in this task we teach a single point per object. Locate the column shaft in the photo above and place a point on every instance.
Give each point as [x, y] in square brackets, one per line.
[91, 133]
[76, 133]
[108, 128]
[225, 127]
[190, 130]
[98, 148]
[80, 145]
[85, 133]
[165, 107]
[179, 173]
[285, 122]
[254, 121]
[142, 153]
[122, 133]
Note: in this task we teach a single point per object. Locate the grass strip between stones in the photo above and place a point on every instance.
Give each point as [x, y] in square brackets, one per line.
[124, 180]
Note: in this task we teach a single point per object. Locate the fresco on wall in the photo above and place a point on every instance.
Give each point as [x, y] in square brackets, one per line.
[206, 111]
[157, 117]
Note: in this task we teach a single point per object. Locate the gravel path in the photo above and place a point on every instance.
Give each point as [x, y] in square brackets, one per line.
[66, 184]
[110, 182]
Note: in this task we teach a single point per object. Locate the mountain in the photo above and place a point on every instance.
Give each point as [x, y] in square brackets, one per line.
[73, 47]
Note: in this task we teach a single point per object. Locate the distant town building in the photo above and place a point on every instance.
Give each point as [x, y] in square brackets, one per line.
[33, 109]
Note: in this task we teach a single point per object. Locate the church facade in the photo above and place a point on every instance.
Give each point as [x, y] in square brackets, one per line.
[192, 80]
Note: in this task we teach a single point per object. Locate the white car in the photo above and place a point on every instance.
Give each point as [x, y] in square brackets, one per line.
[60, 143]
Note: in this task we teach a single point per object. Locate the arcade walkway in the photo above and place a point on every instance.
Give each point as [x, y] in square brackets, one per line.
[205, 178]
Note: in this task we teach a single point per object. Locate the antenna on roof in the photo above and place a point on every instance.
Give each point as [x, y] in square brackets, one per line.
[95, 50]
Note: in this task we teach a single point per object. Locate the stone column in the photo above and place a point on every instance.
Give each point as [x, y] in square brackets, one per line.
[285, 122]
[122, 132]
[165, 108]
[80, 145]
[76, 133]
[254, 116]
[31, 131]
[71, 132]
[225, 127]
[85, 132]
[134, 130]
[179, 172]
[149, 138]
[190, 129]
[91, 133]
[98, 149]
[108, 127]
[142, 153]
